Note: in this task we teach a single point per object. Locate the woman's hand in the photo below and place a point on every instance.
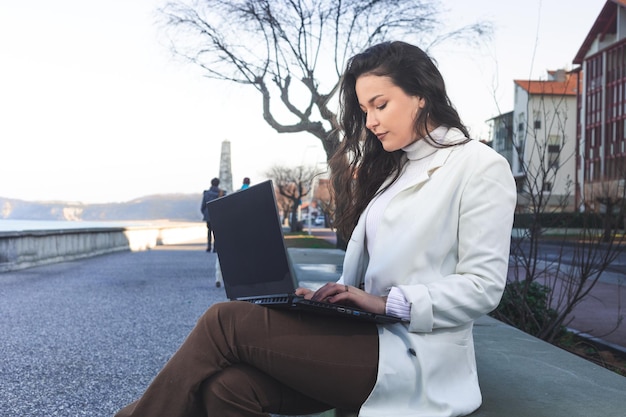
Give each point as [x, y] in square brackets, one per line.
[305, 292]
[333, 292]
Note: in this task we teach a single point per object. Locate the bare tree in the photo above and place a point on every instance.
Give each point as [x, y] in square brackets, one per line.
[293, 51]
[324, 200]
[542, 293]
[608, 199]
[293, 184]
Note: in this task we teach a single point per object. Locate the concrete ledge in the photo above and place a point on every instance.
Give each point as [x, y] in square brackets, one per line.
[28, 248]
[522, 376]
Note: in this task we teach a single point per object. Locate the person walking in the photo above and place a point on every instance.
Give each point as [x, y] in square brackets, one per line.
[428, 214]
[208, 195]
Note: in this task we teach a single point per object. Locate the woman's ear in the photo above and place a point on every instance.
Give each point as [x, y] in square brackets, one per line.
[420, 104]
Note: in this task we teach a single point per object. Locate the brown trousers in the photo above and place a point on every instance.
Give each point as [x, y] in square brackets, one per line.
[245, 360]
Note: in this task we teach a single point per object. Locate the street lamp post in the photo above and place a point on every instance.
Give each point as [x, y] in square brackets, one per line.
[312, 191]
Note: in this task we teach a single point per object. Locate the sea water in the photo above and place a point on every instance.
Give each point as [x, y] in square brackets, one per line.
[30, 225]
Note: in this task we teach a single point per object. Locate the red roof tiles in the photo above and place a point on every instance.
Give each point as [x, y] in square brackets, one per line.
[569, 87]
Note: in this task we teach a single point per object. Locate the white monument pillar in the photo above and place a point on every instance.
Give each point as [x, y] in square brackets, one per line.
[226, 174]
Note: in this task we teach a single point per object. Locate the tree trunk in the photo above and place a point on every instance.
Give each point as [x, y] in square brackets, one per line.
[294, 223]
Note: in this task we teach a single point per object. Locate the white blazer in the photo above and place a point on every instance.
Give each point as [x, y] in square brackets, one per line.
[444, 241]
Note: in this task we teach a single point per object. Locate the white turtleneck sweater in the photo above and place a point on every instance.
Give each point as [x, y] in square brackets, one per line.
[419, 154]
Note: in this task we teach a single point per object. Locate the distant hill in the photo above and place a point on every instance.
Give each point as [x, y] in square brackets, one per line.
[178, 207]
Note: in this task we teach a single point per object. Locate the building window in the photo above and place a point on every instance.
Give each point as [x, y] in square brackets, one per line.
[553, 156]
[521, 121]
[537, 120]
[554, 151]
[547, 187]
[593, 138]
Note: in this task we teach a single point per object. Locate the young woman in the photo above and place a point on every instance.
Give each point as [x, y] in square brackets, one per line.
[428, 213]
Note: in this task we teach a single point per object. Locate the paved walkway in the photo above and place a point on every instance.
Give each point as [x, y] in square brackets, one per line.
[84, 338]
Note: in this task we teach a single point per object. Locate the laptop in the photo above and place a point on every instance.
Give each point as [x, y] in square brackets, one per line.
[254, 260]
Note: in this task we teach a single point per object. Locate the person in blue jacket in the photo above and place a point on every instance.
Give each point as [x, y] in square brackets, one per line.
[245, 184]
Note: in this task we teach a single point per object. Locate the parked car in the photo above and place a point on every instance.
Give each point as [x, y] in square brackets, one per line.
[319, 221]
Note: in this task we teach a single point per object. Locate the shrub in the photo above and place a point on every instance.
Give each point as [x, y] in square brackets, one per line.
[525, 305]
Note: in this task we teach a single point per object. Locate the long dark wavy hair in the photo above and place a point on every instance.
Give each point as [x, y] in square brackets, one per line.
[361, 165]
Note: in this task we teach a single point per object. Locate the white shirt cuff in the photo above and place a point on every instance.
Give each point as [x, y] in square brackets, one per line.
[397, 305]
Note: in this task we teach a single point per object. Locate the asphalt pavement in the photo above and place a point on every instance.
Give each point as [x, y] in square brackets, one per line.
[84, 338]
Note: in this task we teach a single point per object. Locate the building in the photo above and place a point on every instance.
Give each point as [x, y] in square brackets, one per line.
[538, 138]
[602, 111]
[502, 136]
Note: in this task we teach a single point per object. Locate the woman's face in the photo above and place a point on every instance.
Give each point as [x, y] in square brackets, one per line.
[391, 113]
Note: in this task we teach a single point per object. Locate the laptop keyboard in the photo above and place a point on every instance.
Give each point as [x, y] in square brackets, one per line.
[272, 300]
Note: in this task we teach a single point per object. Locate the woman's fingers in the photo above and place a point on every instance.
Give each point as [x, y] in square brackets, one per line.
[333, 292]
[329, 290]
[304, 292]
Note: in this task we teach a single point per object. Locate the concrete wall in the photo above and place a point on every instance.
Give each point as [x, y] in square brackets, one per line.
[24, 249]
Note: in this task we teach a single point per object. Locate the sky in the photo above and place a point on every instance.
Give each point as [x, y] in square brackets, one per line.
[94, 109]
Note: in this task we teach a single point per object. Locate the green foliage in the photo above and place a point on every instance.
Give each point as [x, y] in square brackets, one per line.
[302, 240]
[525, 305]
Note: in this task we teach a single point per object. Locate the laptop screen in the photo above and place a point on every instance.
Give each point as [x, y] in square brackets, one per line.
[249, 243]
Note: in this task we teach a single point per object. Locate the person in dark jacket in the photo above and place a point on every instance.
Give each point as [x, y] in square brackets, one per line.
[208, 195]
